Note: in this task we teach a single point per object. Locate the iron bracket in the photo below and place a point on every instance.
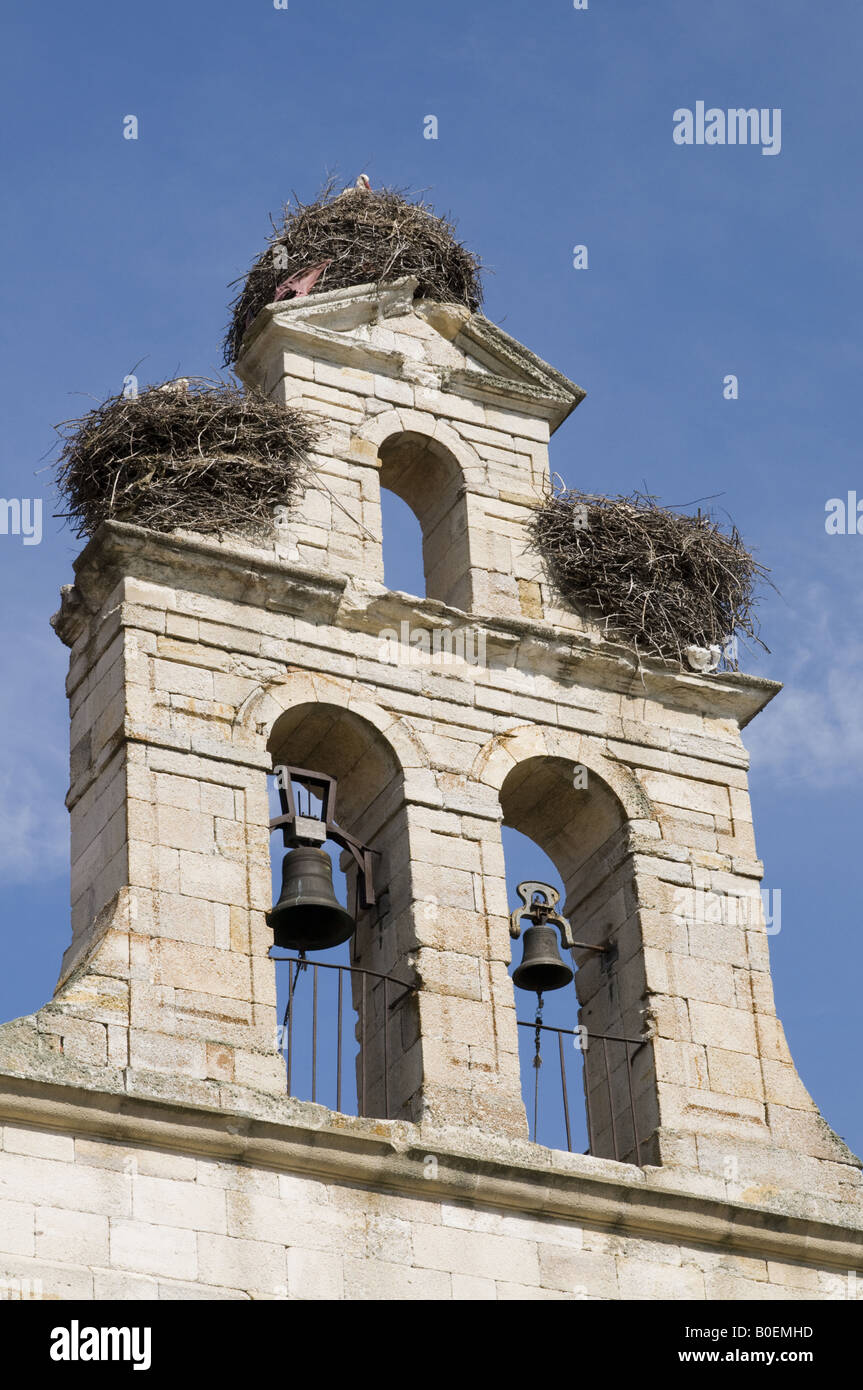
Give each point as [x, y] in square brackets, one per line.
[300, 830]
[539, 912]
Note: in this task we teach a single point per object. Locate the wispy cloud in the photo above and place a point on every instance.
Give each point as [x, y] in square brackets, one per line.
[812, 733]
[34, 823]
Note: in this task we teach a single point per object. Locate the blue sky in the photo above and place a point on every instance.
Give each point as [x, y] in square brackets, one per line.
[555, 129]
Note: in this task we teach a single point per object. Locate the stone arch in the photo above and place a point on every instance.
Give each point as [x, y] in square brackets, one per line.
[501, 754]
[264, 706]
[389, 423]
[340, 740]
[584, 824]
[426, 464]
[336, 727]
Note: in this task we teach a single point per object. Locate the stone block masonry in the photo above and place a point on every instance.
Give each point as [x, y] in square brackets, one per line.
[166, 1200]
[147, 1147]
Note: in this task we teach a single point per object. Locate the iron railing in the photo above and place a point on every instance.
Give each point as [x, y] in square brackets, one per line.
[361, 994]
[591, 1078]
[313, 1046]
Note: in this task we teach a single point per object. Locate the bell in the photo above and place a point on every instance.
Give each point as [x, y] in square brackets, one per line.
[308, 915]
[541, 966]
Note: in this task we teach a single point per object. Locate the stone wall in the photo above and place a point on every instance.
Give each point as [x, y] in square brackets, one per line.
[151, 1089]
[170, 975]
[294, 1207]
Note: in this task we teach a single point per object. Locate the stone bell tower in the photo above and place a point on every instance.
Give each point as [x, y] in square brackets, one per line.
[151, 1090]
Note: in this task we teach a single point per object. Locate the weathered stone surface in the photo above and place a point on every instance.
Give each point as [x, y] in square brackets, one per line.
[196, 662]
[482, 1221]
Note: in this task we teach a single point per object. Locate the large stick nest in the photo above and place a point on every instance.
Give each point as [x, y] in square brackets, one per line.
[652, 577]
[191, 453]
[368, 237]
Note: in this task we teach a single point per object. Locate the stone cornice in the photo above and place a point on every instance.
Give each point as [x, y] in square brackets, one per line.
[321, 343]
[295, 1136]
[610, 665]
[490, 345]
[242, 574]
[235, 571]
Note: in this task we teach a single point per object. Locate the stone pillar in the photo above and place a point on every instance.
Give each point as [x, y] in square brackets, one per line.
[447, 925]
[167, 968]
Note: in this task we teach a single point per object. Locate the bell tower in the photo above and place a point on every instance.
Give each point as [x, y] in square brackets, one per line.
[200, 664]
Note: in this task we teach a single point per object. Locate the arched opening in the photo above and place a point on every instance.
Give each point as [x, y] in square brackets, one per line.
[428, 479]
[403, 546]
[525, 860]
[348, 998]
[577, 821]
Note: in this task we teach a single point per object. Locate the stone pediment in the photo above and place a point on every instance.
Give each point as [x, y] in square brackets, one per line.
[383, 328]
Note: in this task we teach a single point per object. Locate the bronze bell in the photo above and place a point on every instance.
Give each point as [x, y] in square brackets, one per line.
[541, 966]
[308, 915]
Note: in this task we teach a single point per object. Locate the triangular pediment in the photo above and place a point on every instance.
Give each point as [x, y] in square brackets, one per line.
[384, 328]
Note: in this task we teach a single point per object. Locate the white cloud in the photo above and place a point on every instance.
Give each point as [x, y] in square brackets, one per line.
[812, 733]
[34, 823]
[34, 833]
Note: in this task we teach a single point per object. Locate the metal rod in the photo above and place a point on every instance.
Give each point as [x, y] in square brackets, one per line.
[363, 1045]
[537, 1063]
[563, 1088]
[610, 1098]
[612, 1037]
[290, 1012]
[314, 1029]
[586, 1079]
[339, 1046]
[378, 974]
[632, 1107]
[535, 1099]
[386, 1051]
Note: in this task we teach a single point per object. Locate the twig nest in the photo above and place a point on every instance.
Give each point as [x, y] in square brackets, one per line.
[366, 237]
[191, 453]
[673, 586]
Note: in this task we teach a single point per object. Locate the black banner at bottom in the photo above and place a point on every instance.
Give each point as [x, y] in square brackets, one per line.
[250, 1338]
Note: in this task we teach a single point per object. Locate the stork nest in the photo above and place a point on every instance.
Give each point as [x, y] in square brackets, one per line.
[652, 577]
[192, 453]
[368, 237]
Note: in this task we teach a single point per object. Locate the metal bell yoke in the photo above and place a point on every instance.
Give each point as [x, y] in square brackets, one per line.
[308, 916]
[542, 967]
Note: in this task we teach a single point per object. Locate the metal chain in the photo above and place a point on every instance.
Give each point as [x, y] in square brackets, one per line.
[537, 1063]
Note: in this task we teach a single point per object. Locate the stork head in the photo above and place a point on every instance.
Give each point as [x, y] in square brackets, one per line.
[364, 183]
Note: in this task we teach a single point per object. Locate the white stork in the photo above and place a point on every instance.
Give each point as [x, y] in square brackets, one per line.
[362, 185]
